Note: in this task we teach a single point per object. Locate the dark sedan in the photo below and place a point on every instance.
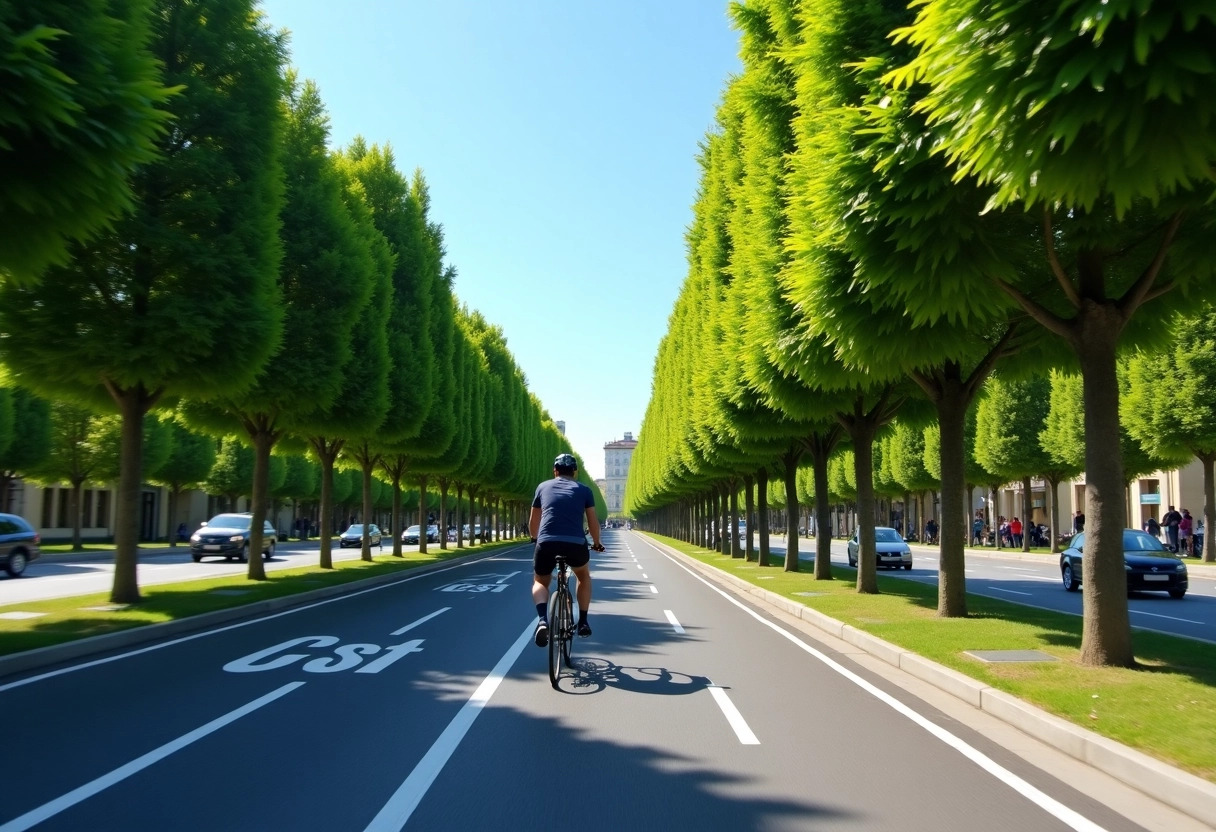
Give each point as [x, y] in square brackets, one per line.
[1150, 566]
[227, 536]
[18, 544]
[354, 536]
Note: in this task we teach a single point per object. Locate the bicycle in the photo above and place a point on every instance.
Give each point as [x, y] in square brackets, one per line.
[561, 623]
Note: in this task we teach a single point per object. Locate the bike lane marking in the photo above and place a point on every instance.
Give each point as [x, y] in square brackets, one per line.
[422, 620]
[172, 642]
[396, 812]
[59, 804]
[733, 717]
[1044, 801]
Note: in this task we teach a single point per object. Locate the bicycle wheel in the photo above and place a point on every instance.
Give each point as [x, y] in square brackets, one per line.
[568, 630]
[557, 627]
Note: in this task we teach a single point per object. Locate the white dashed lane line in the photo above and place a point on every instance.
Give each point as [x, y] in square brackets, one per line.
[654, 589]
[671, 618]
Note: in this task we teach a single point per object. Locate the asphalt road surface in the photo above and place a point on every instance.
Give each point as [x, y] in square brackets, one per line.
[423, 704]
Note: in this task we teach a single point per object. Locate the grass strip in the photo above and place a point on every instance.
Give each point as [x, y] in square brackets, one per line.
[1164, 707]
[67, 619]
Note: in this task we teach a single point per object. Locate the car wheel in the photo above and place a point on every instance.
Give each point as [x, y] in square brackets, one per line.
[1070, 580]
[269, 553]
[197, 558]
[16, 564]
[244, 555]
[852, 561]
[907, 567]
[1177, 594]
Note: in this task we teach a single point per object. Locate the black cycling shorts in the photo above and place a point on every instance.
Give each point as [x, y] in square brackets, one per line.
[544, 558]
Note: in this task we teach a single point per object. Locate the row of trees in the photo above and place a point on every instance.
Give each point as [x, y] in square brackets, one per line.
[894, 204]
[262, 285]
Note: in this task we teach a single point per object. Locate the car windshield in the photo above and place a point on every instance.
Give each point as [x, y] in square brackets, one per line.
[355, 529]
[1134, 541]
[230, 521]
[412, 529]
[886, 536]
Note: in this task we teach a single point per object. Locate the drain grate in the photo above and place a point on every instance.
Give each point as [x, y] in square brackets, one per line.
[996, 656]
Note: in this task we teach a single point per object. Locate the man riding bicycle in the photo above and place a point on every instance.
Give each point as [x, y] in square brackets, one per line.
[556, 526]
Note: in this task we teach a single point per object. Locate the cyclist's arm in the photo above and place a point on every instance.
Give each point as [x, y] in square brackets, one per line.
[534, 522]
[594, 525]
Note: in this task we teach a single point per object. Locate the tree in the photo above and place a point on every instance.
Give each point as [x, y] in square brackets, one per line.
[30, 440]
[1010, 418]
[324, 280]
[178, 298]
[1183, 374]
[82, 106]
[1119, 85]
[78, 448]
[190, 460]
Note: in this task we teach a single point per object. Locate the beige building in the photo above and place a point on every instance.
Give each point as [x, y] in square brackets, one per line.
[617, 455]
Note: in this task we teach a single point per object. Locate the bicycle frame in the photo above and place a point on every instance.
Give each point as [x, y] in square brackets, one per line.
[561, 623]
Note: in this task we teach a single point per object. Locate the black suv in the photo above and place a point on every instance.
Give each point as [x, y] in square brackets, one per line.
[18, 544]
[227, 536]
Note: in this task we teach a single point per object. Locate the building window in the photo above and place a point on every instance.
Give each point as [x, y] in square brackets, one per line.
[48, 507]
[65, 505]
[103, 510]
[87, 520]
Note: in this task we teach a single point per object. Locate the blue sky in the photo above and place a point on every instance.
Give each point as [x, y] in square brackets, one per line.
[559, 140]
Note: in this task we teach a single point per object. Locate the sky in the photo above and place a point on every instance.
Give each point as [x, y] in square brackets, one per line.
[559, 140]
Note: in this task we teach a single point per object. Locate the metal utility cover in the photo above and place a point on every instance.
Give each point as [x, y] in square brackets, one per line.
[1011, 655]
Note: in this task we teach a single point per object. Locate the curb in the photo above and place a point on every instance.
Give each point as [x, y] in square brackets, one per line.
[1185, 792]
[58, 653]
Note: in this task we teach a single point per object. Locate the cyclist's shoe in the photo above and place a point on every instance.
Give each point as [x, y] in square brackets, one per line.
[542, 634]
[584, 629]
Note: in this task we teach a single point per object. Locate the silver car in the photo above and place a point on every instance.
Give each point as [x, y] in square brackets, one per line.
[893, 550]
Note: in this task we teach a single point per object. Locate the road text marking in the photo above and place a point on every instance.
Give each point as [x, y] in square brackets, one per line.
[48, 810]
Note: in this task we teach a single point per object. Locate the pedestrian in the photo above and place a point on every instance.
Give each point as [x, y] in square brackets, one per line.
[930, 530]
[1015, 530]
[1078, 522]
[977, 530]
[1153, 527]
[1171, 521]
[1185, 527]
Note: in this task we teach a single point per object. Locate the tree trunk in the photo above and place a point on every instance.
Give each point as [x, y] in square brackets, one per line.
[326, 451]
[263, 436]
[821, 447]
[1053, 500]
[861, 432]
[951, 575]
[790, 461]
[459, 519]
[133, 404]
[423, 520]
[1106, 628]
[749, 512]
[762, 512]
[443, 513]
[77, 511]
[366, 465]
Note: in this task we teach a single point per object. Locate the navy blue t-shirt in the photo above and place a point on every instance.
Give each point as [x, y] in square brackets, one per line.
[563, 504]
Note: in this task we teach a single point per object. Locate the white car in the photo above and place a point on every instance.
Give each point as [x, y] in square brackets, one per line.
[893, 550]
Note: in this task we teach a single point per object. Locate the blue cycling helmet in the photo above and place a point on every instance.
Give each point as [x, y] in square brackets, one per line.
[565, 462]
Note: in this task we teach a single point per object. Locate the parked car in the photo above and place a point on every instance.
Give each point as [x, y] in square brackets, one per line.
[353, 536]
[432, 533]
[227, 536]
[18, 544]
[1150, 566]
[411, 534]
[893, 550]
[474, 534]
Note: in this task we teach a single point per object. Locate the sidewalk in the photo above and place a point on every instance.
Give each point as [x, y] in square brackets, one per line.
[1181, 790]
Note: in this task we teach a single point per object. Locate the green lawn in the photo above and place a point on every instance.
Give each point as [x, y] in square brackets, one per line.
[1163, 708]
[68, 619]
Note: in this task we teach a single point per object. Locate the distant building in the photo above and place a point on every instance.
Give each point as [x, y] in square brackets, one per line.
[561, 427]
[617, 455]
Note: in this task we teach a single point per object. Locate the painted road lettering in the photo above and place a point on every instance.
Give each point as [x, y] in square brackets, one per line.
[480, 583]
[342, 657]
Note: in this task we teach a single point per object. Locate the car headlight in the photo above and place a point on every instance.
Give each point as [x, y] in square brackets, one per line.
[194, 538]
[907, 550]
[1181, 566]
[237, 538]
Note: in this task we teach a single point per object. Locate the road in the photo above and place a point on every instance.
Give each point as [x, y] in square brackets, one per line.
[1035, 581]
[423, 704]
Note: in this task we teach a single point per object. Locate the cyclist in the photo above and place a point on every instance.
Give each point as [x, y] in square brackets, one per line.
[556, 526]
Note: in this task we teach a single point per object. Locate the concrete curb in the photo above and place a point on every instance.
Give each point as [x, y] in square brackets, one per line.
[58, 653]
[1185, 792]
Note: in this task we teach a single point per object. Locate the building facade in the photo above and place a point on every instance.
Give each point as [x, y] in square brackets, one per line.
[617, 456]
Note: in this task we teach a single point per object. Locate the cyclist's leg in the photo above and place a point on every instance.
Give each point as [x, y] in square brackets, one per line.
[583, 593]
[543, 562]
